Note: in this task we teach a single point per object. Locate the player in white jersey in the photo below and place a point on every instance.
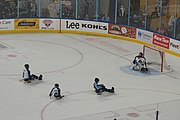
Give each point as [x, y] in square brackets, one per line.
[56, 92]
[139, 63]
[27, 76]
[99, 88]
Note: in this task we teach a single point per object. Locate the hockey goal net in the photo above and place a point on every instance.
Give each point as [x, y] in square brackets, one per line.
[156, 59]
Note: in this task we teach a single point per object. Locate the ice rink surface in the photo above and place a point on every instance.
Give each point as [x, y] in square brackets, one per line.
[74, 61]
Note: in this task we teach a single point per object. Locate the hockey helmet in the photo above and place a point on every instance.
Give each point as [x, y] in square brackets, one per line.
[56, 85]
[26, 65]
[96, 80]
[140, 54]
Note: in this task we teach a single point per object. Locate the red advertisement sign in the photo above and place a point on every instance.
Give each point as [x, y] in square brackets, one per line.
[120, 30]
[161, 41]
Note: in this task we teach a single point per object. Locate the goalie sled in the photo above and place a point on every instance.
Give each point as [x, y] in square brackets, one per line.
[144, 70]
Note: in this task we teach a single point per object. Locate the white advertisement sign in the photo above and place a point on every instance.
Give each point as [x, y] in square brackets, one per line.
[7, 24]
[174, 45]
[85, 26]
[49, 24]
[144, 35]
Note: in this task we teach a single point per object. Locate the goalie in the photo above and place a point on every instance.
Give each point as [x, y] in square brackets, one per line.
[139, 63]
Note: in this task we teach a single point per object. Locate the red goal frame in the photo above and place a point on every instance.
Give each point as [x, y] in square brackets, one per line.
[161, 53]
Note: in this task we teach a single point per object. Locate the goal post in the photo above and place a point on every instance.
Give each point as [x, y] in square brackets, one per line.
[155, 59]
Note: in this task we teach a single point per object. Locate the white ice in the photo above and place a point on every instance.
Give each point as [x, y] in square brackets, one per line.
[74, 61]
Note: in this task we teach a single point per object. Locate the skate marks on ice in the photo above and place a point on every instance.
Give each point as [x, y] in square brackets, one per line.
[34, 83]
[130, 110]
[75, 97]
[5, 46]
[33, 49]
[150, 72]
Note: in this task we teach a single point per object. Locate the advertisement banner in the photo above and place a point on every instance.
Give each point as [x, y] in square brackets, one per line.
[70, 25]
[49, 24]
[174, 45]
[26, 23]
[161, 41]
[7, 24]
[85, 26]
[121, 30]
[144, 35]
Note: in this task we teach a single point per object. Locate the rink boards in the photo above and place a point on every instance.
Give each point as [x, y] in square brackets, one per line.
[122, 32]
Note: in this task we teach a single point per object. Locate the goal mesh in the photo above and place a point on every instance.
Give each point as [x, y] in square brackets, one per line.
[156, 59]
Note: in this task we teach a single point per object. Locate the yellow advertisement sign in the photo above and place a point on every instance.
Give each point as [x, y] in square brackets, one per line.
[26, 23]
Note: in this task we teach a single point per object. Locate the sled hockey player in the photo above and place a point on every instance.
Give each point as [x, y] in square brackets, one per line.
[99, 88]
[56, 92]
[27, 76]
[139, 63]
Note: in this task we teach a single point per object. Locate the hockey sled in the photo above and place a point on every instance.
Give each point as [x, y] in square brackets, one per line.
[32, 81]
[29, 81]
[99, 92]
[57, 98]
[34, 78]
